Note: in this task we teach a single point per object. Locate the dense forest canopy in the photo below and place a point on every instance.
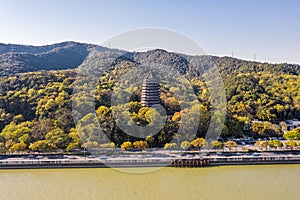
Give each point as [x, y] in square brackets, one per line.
[36, 106]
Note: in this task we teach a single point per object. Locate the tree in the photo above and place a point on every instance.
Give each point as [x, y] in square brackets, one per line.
[89, 131]
[24, 138]
[126, 146]
[265, 114]
[292, 135]
[103, 113]
[15, 133]
[40, 145]
[283, 126]
[108, 145]
[230, 144]
[65, 120]
[216, 144]
[90, 145]
[150, 140]
[170, 146]
[40, 128]
[275, 144]
[265, 129]
[199, 143]
[21, 146]
[75, 142]
[2, 147]
[185, 145]
[261, 144]
[135, 106]
[140, 144]
[176, 117]
[57, 139]
[18, 119]
[291, 144]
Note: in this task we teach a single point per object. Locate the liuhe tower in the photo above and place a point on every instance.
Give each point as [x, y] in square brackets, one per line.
[150, 91]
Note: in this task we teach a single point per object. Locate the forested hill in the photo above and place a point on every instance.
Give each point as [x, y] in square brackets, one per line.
[226, 65]
[16, 59]
[22, 58]
[36, 106]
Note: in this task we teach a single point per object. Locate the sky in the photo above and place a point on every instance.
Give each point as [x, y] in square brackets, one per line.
[264, 30]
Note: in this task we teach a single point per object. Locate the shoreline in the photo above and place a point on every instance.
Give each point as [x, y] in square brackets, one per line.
[118, 162]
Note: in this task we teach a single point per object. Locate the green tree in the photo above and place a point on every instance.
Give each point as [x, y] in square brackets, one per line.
[75, 142]
[150, 140]
[292, 135]
[24, 138]
[2, 148]
[40, 145]
[57, 139]
[185, 145]
[170, 146]
[18, 119]
[275, 144]
[65, 120]
[15, 133]
[216, 144]
[291, 144]
[89, 131]
[21, 146]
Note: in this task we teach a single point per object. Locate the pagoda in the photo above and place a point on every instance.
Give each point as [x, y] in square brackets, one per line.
[150, 91]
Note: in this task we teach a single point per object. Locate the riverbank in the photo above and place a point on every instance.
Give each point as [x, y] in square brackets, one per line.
[136, 160]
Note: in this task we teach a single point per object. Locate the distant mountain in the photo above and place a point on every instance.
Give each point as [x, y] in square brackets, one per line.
[16, 59]
[226, 65]
[22, 58]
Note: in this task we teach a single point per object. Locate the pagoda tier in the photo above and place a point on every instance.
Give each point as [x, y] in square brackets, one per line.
[150, 91]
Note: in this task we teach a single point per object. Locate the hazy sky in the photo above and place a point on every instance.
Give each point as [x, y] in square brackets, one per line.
[268, 28]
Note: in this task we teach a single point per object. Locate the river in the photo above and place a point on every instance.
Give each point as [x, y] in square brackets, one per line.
[226, 182]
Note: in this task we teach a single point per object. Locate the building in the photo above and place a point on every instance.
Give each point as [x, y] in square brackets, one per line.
[150, 91]
[292, 124]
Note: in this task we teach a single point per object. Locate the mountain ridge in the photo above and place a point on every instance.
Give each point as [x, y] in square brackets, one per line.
[15, 58]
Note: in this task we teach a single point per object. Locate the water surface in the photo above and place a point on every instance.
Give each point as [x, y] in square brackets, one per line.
[227, 182]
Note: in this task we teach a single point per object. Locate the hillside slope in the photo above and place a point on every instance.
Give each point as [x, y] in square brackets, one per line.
[36, 106]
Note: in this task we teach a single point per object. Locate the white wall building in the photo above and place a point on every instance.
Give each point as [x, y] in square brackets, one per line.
[292, 124]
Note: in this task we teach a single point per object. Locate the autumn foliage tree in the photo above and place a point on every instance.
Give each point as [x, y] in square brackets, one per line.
[199, 143]
[140, 144]
[261, 144]
[230, 144]
[126, 146]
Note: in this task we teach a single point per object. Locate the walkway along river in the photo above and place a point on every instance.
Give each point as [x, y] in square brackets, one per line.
[80, 161]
